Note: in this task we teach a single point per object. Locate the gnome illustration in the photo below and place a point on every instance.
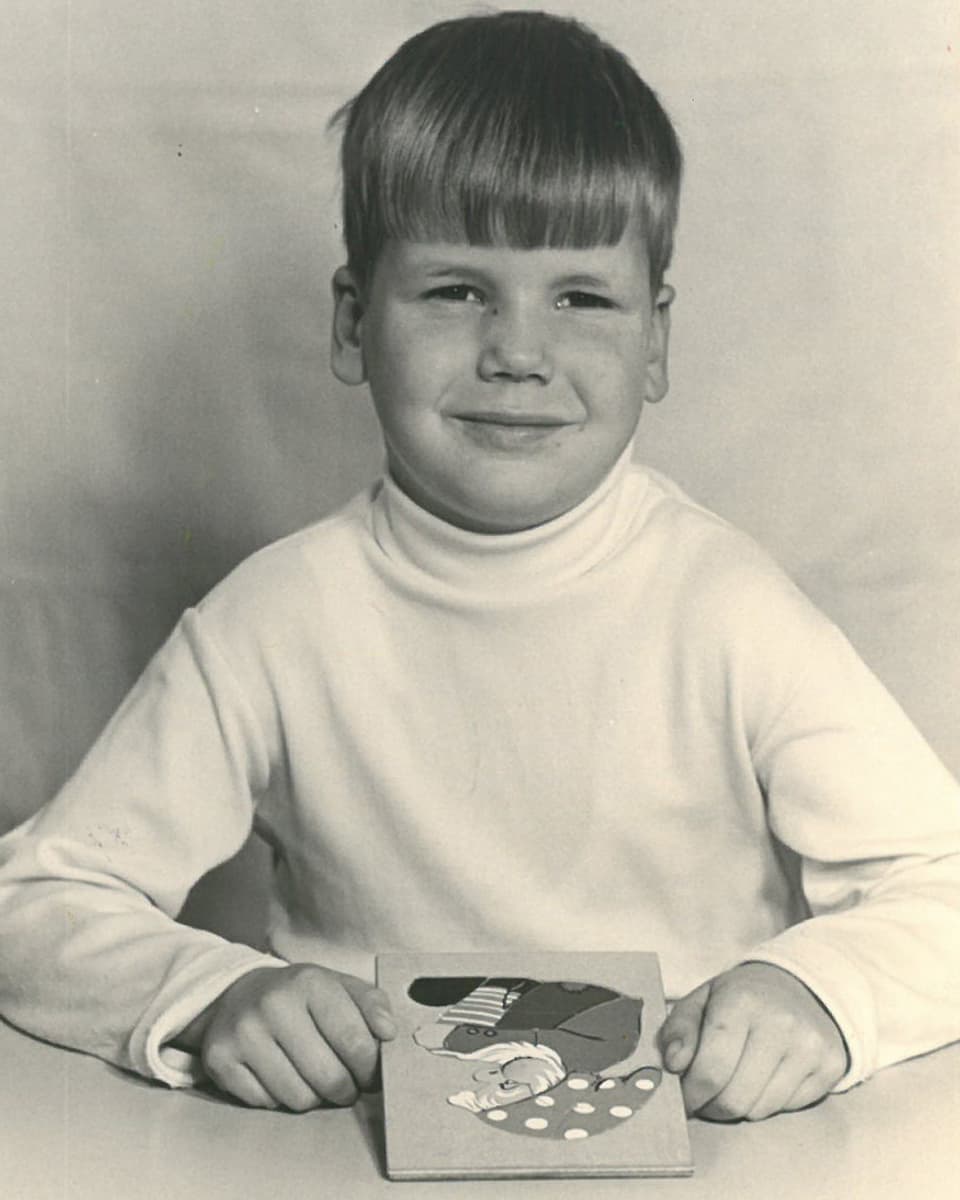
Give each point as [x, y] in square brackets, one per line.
[553, 1059]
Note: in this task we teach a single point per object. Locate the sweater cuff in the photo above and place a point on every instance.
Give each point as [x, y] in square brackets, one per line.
[826, 971]
[149, 1051]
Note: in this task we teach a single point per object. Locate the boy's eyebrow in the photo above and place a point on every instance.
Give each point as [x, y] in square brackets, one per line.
[448, 268]
[581, 280]
[575, 279]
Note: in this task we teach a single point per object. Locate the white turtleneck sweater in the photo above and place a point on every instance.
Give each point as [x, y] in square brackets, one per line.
[624, 729]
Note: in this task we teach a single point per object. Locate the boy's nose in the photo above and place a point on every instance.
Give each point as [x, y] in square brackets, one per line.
[514, 348]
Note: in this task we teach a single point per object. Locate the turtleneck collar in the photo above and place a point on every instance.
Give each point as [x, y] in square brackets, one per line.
[544, 556]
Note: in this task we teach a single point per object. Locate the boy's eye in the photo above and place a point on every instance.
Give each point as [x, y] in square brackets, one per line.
[583, 300]
[456, 292]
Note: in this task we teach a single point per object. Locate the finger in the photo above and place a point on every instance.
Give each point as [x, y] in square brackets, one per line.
[761, 1061]
[807, 1076]
[345, 1031]
[250, 1090]
[811, 1089]
[316, 1061]
[679, 1035]
[722, 1040]
[281, 1080]
[239, 1081]
[374, 1004]
[783, 1084]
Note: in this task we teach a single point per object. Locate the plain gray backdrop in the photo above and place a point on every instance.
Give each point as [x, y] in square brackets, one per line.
[169, 224]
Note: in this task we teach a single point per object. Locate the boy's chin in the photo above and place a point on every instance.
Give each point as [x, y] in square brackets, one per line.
[504, 505]
[500, 501]
[503, 519]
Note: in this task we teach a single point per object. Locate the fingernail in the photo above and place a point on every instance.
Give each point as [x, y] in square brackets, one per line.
[673, 1051]
[386, 1025]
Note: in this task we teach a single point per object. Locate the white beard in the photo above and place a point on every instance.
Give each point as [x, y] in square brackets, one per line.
[492, 1097]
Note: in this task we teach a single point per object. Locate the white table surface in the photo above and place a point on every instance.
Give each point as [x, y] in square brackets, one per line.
[73, 1128]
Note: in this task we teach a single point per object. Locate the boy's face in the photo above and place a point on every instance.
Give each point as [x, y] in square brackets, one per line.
[507, 382]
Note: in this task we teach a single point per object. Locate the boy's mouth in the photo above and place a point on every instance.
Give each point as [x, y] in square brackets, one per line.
[496, 417]
[509, 430]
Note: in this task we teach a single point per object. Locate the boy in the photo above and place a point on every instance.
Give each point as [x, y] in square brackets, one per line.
[519, 692]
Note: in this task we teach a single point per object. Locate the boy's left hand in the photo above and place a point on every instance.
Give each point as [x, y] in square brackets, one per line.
[752, 1042]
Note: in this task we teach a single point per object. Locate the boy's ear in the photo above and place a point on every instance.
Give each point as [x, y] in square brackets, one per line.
[657, 379]
[346, 349]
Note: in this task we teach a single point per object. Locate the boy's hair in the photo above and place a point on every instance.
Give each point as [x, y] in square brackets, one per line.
[517, 128]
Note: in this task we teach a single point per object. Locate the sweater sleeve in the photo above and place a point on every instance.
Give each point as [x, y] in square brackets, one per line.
[91, 955]
[872, 815]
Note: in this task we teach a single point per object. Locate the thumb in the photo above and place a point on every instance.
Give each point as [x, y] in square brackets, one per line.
[374, 1004]
[679, 1035]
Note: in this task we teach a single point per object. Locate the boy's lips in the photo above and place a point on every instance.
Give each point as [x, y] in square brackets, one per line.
[498, 417]
[496, 430]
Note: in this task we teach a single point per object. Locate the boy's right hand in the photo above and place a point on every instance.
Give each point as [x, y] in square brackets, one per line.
[293, 1037]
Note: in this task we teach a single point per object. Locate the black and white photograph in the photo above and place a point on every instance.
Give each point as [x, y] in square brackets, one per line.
[479, 599]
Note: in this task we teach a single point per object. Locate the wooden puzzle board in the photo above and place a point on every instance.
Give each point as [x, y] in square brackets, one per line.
[427, 1136]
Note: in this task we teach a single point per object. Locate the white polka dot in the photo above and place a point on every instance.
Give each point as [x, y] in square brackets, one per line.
[621, 1110]
[544, 1101]
[584, 1108]
[645, 1085]
[496, 1114]
[535, 1123]
[572, 1134]
[578, 1085]
[607, 1084]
